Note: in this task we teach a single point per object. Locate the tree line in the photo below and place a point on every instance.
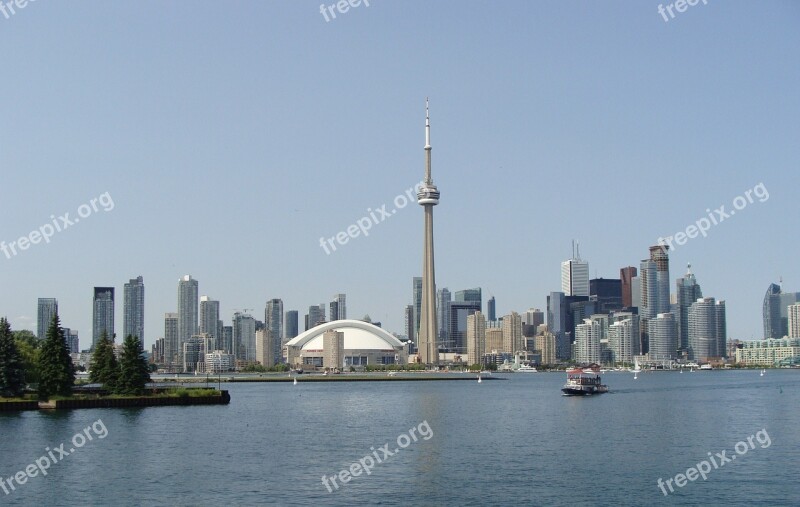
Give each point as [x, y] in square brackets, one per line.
[46, 364]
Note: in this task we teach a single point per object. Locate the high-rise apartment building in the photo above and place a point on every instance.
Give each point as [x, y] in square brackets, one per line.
[209, 321]
[703, 339]
[662, 337]
[133, 309]
[244, 336]
[476, 338]
[340, 304]
[187, 310]
[512, 333]
[587, 342]
[73, 344]
[266, 347]
[47, 309]
[793, 312]
[688, 291]
[103, 314]
[315, 317]
[273, 322]
[171, 340]
[620, 340]
[443, 300]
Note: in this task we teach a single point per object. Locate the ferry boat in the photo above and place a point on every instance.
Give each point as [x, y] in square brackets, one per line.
[526, 368]
[583, 382]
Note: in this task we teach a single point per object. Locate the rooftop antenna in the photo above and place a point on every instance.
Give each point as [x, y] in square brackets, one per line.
[578, 246]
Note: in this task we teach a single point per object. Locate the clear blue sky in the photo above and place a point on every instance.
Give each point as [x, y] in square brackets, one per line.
[233, 135]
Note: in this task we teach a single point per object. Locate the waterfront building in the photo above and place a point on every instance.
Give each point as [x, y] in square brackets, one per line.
[587, 342]
[687, 292]
[187, 310]
[662, 337]
[512, 333]
[363, 344]
[476, 338]
[621, 335]
[703, 339]
[209, 320]
[268, 348]
[219, 361]
[768, 352]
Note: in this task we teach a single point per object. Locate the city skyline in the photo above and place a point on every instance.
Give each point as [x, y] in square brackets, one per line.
[524, 115]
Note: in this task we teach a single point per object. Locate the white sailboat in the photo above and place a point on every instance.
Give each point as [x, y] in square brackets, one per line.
[480, 379]
[295, 381]
[636, 368]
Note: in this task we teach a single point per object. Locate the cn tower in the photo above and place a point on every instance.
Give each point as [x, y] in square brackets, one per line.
[428, 197]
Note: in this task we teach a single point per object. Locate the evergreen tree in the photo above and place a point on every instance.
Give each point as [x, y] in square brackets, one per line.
[12, 370]
[134, 372]
[104, 367]
[57, 375]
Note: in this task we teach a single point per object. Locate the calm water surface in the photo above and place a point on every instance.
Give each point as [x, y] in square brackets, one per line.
[510, 442]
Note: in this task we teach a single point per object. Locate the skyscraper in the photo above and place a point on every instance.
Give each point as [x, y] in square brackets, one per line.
[187, 311]
[557, 323]
[457, 337]
[244, 337]
[662, 335]
[533, 317]
[620, 340]
[607, 292]
[575, 276]
[428, 197]
[512, 333]
[266, 346]
[722, 329]
[776, 308]
[171, 341]
[73, 344]
[290, 328]
[658, 254]
[688, 291]
[341, 307]
[443, 300]
[491, 309]
[476, 338]
[408, 318]
[103, 314]
[626, 276]
[315, 317]
[470, 295]
[47, 308]
[209, 321]
[587, 342]
[703, 339]
[417, 302]
[273, 322]
[794, 320]
[133, 308]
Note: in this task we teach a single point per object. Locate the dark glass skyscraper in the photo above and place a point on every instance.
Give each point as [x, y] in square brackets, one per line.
[290, 327]
[47, 308]
[688, 291]
[133, 309]
[103, 313]
[491, 309]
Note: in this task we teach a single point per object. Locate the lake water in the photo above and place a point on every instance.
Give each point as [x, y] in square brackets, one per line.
[501, 442]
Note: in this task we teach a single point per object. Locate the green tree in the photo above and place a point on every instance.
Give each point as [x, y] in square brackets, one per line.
[12, 372]
[134, 373]
[104, 368]
[27, 337]
[57, 375]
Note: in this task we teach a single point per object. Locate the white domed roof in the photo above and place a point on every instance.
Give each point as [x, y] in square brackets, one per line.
[358, 335]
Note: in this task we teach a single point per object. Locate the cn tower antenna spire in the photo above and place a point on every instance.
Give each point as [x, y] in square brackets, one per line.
[428, 178]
